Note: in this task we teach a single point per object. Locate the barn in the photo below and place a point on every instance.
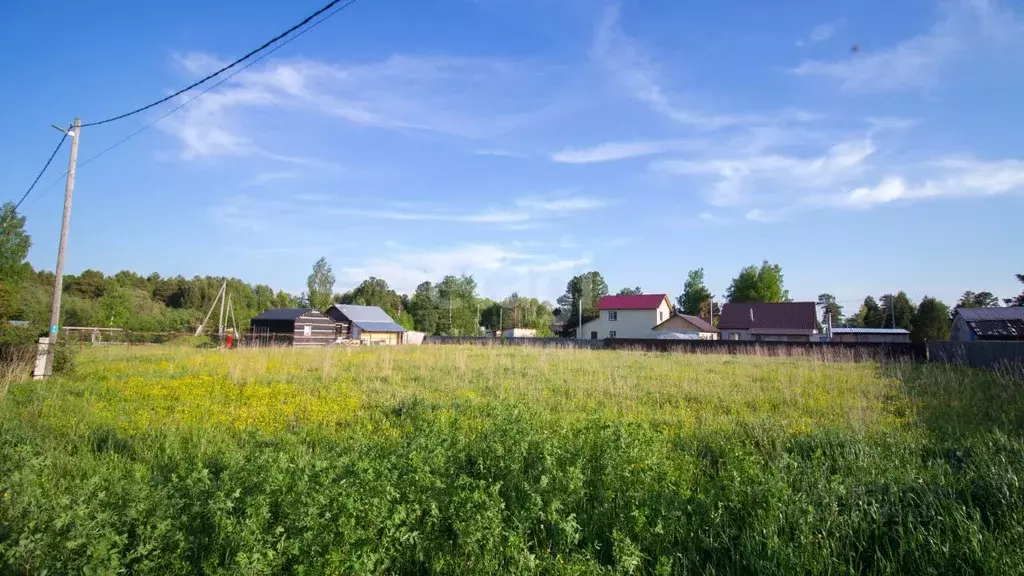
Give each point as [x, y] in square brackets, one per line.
[299, 326]
[365, 323]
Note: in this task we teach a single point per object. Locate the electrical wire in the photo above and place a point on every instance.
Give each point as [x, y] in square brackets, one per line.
[205, 79]
[43, 171]
[193, 98]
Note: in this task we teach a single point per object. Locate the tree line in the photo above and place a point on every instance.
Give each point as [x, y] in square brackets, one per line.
[449, 306]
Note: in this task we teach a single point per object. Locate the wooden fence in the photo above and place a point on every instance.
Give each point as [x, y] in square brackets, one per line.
[833, 350]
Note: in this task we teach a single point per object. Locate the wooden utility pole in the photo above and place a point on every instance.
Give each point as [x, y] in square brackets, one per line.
[58, 280]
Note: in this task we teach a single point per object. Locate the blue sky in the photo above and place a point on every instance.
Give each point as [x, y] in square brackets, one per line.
[523, 142]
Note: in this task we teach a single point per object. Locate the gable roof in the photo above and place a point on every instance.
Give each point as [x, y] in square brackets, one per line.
[282, 313]
[634, 302]
[699, 323]
[994, 313]
[762, 316]
[994, 323]
[369, 318]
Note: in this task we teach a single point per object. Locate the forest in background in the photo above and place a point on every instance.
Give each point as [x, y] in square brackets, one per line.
[450, 306]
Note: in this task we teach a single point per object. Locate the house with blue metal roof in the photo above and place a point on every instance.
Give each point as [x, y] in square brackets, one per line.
[366, 323]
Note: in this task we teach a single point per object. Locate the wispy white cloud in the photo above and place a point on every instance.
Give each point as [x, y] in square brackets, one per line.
[917, 61]
[824, 31]
[735, 175]
[498, 269]
[951, 178]
[468, 97]
[631, 67]
[561, 203]
[622, 150]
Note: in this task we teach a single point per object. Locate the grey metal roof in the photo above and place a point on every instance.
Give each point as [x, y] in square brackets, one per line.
[869, 331]
[282, 313]
[989, 314]
[678, 336]
[366, 316]
[379, 326]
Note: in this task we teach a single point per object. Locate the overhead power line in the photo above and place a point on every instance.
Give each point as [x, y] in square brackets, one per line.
[205, 79]
[43, 171]
[207, 90]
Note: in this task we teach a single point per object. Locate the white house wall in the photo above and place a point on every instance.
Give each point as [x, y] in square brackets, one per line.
[629, 324]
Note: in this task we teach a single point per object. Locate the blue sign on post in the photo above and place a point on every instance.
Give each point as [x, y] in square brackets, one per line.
[53, 329]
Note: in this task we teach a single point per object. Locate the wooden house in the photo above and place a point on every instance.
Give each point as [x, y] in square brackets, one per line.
[300, 326]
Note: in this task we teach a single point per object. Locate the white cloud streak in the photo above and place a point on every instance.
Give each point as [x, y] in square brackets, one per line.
[917, 62]
[618, 54]
[466, 97]
[612, 151]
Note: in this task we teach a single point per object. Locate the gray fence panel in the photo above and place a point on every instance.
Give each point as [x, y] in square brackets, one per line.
[991, 355]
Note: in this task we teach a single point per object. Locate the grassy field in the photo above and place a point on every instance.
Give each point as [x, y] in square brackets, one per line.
[508, 460]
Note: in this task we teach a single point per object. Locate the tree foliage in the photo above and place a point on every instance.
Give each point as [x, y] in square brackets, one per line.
[870, 315]
[517, 311]
[630, 291]
[1017, 300]
[320, 285]
[585, 289]
[898, 311]
[754, 284]
[931, 321]
[375, 292]
[695, 294]
[977, 300]
[458, 310]
[830, 309]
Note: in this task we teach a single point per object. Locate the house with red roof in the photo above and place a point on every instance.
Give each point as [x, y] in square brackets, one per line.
[628, 316]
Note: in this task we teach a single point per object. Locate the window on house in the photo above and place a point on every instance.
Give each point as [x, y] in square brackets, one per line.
[613, 315]
[611, 333]
[593, 335]
[307, 330]
[659, 316]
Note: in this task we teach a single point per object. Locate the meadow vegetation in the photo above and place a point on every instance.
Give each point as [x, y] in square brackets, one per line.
[452, 460]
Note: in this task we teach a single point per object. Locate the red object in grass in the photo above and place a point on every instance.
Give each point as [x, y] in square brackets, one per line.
[230, 340]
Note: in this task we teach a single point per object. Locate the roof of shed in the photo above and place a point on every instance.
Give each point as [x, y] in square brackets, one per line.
[379, 326]
[869, 331]
[994, 313]
[282, 313]
[369, 318]
[698, 323]
[767, 316]
[633, 302]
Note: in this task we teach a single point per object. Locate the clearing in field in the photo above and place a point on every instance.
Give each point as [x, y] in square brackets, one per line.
[508, 460]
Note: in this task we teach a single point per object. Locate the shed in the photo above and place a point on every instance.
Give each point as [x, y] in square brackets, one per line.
[970, 324]
[304, 326]
[365, 323]
[877, 335]
[695, 326]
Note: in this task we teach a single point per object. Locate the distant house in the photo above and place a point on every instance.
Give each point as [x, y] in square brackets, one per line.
[970, 324]
[770, 322]
[685, 324]
[628, 317]
[365, 323]
[518, 333]
[300, 326]
[873, 335]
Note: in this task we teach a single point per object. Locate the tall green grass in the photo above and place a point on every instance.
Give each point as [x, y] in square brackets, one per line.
[483, 461]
